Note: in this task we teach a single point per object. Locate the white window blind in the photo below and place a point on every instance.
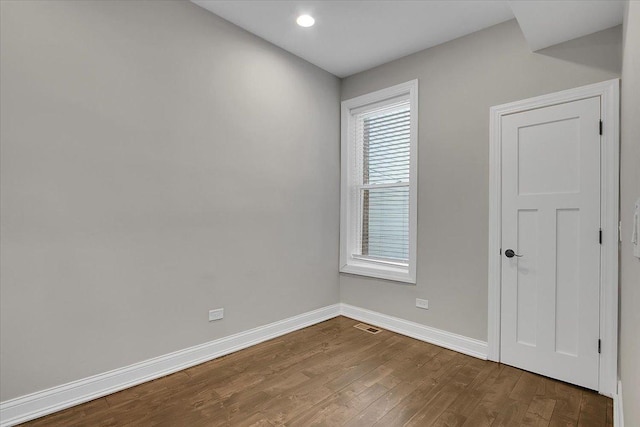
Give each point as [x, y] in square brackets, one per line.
[382, 162]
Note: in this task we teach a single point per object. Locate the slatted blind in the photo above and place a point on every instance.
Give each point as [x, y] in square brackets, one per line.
[383, 142]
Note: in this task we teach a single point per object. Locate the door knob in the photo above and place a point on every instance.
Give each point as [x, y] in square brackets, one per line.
[509, 253]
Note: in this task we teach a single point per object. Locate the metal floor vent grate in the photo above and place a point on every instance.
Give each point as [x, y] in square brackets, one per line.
[368, 328]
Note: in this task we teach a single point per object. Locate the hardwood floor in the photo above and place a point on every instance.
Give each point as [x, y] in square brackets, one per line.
[333, 374]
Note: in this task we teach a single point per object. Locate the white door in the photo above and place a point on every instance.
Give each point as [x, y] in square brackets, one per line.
[551, 222]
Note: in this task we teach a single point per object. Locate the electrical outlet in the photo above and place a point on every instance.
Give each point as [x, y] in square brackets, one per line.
[422, 303]
[216, 314]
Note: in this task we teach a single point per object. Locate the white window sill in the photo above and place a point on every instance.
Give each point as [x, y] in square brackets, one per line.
[379, 271]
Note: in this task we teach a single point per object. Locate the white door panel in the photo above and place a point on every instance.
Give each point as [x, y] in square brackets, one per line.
[551, 217]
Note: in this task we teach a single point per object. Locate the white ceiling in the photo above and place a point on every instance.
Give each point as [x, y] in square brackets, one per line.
[353, 36]
[546, 23]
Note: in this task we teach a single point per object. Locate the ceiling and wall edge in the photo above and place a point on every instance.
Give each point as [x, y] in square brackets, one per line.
[349, 39]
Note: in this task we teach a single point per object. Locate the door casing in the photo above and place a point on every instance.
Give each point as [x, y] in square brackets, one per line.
[609, 93]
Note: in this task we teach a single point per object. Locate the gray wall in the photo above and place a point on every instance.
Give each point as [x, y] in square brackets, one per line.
[629, 193]
[459, 81]
[157, 162]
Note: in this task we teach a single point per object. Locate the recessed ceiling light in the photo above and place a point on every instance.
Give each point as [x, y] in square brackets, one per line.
[305, 20]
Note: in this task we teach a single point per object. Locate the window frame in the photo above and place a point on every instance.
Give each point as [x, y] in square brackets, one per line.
[350, 262]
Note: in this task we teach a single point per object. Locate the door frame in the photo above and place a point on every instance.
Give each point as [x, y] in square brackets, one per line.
[609, 93]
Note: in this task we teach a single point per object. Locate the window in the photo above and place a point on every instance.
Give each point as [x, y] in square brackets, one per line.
[379, 186]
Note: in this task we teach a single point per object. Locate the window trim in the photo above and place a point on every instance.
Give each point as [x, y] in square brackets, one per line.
[348, 240]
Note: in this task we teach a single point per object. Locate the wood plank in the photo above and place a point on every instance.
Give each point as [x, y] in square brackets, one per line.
[568, 399]
[384, 404]
[444, 398]
[515, 407]
[432, 379]
[333, 374]
[539, 412]
[495, 398]
[609, 413]
[471, 397]
[593, 410]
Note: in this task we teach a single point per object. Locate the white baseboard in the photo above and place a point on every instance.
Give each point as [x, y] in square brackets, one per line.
[54, 399]
[459, 343]
[57, 398]
[618, 415]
